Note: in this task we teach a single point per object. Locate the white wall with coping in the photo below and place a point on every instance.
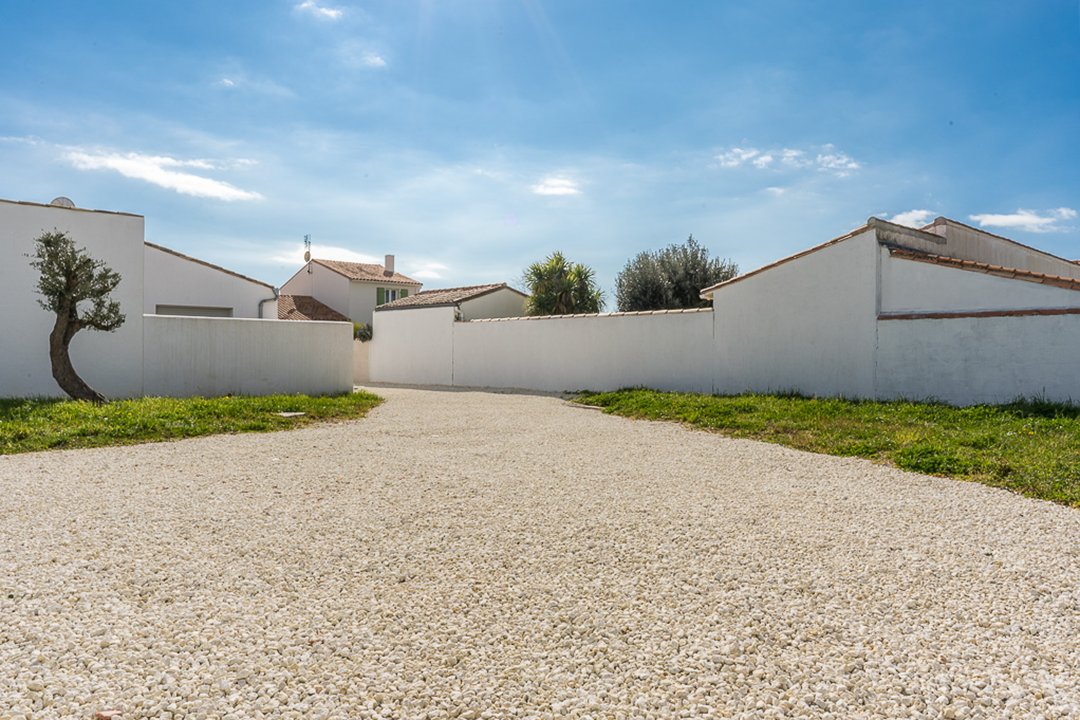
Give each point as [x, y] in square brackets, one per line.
[110, 362]
[807, 324]
[502, 303]
[666, 351]
[968, 243]
[361, 362]
[172, 279]
[914, 286]
[967, 361]
[413, 347]
[188, 356]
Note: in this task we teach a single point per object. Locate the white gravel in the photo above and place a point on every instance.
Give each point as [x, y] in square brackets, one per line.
[479, 555]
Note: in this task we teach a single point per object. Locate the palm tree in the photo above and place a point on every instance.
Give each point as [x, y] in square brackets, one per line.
[561, 288]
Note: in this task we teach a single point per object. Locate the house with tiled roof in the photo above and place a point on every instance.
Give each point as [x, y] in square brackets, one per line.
[494, 300]
[349, 289]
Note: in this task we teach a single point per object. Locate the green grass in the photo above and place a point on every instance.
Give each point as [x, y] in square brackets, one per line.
[40, 424]
[1029, 447]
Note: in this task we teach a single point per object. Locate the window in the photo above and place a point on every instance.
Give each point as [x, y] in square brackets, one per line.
[385, 295]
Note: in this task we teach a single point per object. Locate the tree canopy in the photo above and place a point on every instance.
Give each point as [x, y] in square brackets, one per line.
[670, 278]
[559, 287]
[70, 277]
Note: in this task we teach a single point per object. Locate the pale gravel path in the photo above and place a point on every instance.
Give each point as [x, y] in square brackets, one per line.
[486, 555]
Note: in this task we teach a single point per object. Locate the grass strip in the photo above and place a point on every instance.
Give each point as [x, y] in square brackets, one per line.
[44, 424]
[1029, 447]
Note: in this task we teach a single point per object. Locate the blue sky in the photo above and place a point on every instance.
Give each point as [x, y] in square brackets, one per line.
[471, 138]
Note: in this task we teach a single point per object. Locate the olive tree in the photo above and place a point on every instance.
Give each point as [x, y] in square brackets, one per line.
[670, 278]
[75, 287]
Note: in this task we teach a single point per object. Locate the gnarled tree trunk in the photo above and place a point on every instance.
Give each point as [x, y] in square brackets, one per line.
[62, 369]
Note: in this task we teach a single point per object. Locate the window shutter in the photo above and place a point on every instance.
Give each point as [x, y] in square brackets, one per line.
[405, 292]
[380, 296]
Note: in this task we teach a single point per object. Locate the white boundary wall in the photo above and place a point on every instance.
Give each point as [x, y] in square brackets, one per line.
[666, 350]
[828, 322]
[973, 360]
[218, 356]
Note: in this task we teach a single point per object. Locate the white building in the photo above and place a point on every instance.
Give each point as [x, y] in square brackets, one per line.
[945, 312]
[351, 289]
[224, 350]
[177, 284]
[473, 302]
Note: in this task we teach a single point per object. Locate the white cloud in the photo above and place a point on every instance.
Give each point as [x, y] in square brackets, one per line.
[736, 156]
[428, 271]
[831, 159]
[556, 185]
[1027, 220]
[294, 254]
[913, 218]
[161, 171]
[327, 13]
[373, 60]
[776, 191]
[825, 158]
[762, 161]
[226, 82]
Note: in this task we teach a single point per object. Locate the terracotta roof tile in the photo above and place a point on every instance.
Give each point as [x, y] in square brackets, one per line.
[365, 271]
[988, 268]
[445, 296]
[305, 307]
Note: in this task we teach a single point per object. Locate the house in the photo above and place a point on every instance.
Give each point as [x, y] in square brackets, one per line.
[351, 289]
[473, 302]
[947, 312]
[178, 284]
[191, 327]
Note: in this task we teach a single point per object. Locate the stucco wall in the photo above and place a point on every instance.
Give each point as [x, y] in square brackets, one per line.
[425, 346]
[361, 362]
[913, 286]
[174, 280]
[502, 303]
[414, 347]
[807, 324]
[323, 284]
[110, 362]
[362, 297]
[211, 356]
[966, 361]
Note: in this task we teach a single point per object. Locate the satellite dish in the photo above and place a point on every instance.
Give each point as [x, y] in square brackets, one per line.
[63, 202]
[307, 256]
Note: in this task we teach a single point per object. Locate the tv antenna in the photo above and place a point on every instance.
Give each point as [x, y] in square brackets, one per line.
[307, 251]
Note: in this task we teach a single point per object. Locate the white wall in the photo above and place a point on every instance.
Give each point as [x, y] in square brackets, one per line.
[362, 298]
[109, 362]
[323, 284]
[600, 352]
[807, 324]
[502, 303]
[414, 347]
[967, 361]
[174, 280]
[361, 362]
[212, 356]
[913, 286]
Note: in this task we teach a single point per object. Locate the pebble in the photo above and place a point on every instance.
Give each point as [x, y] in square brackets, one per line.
[484, 555]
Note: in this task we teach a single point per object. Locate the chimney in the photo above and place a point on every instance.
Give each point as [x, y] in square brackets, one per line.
[388, 265]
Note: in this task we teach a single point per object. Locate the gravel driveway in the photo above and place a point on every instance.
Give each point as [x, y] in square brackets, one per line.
[462, 554]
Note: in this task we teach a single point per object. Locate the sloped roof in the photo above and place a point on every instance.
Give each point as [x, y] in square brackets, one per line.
[446, 296]
[371, 272]
[988, 268]
[305, 307]
[212, 266]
